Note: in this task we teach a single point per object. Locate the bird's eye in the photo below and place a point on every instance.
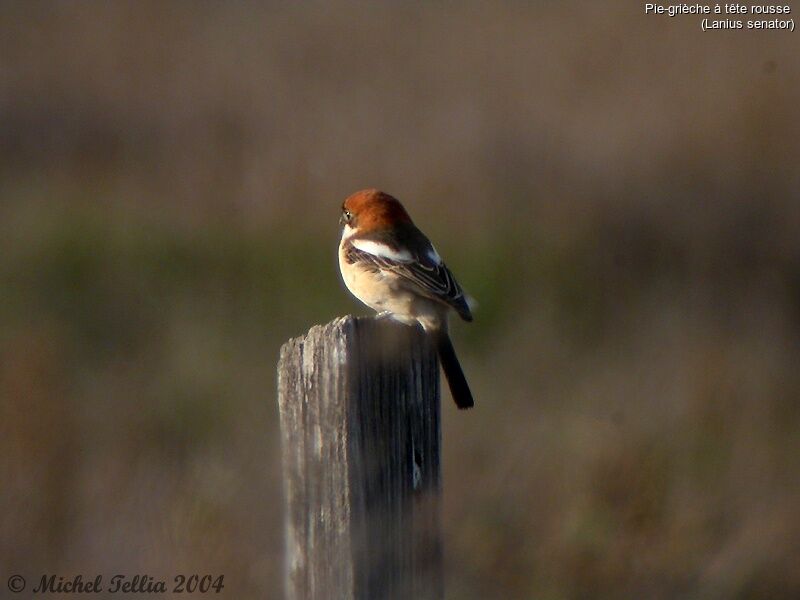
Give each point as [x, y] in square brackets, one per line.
[346, 215]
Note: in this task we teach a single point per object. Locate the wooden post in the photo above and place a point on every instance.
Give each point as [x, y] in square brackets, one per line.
[360, 427]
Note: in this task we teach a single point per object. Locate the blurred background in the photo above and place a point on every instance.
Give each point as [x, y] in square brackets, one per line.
[620, 192]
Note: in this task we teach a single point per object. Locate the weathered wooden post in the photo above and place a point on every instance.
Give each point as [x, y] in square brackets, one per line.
[360, 426]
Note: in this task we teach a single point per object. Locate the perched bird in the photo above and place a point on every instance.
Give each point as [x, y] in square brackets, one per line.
[389, 264]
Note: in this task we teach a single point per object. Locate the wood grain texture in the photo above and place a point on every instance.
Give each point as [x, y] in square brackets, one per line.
[360, 425]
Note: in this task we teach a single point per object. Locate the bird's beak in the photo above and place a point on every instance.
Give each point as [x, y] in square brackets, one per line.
[341, 220]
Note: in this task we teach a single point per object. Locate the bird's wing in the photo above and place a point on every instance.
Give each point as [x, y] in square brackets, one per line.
[426, 274]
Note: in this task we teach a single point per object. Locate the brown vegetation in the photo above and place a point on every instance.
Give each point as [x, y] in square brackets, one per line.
[618, 191]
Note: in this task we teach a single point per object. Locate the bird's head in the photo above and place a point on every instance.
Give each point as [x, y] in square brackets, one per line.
[372, 210]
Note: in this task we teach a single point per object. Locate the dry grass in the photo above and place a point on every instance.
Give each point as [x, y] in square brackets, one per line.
[624, 191]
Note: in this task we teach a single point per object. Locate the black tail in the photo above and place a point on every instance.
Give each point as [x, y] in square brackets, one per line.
[459, 388]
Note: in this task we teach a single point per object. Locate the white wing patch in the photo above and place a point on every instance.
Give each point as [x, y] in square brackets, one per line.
[434, 256]
[471, 302]
[382, 250]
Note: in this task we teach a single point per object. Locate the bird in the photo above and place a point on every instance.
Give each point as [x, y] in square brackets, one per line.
[392, 267]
